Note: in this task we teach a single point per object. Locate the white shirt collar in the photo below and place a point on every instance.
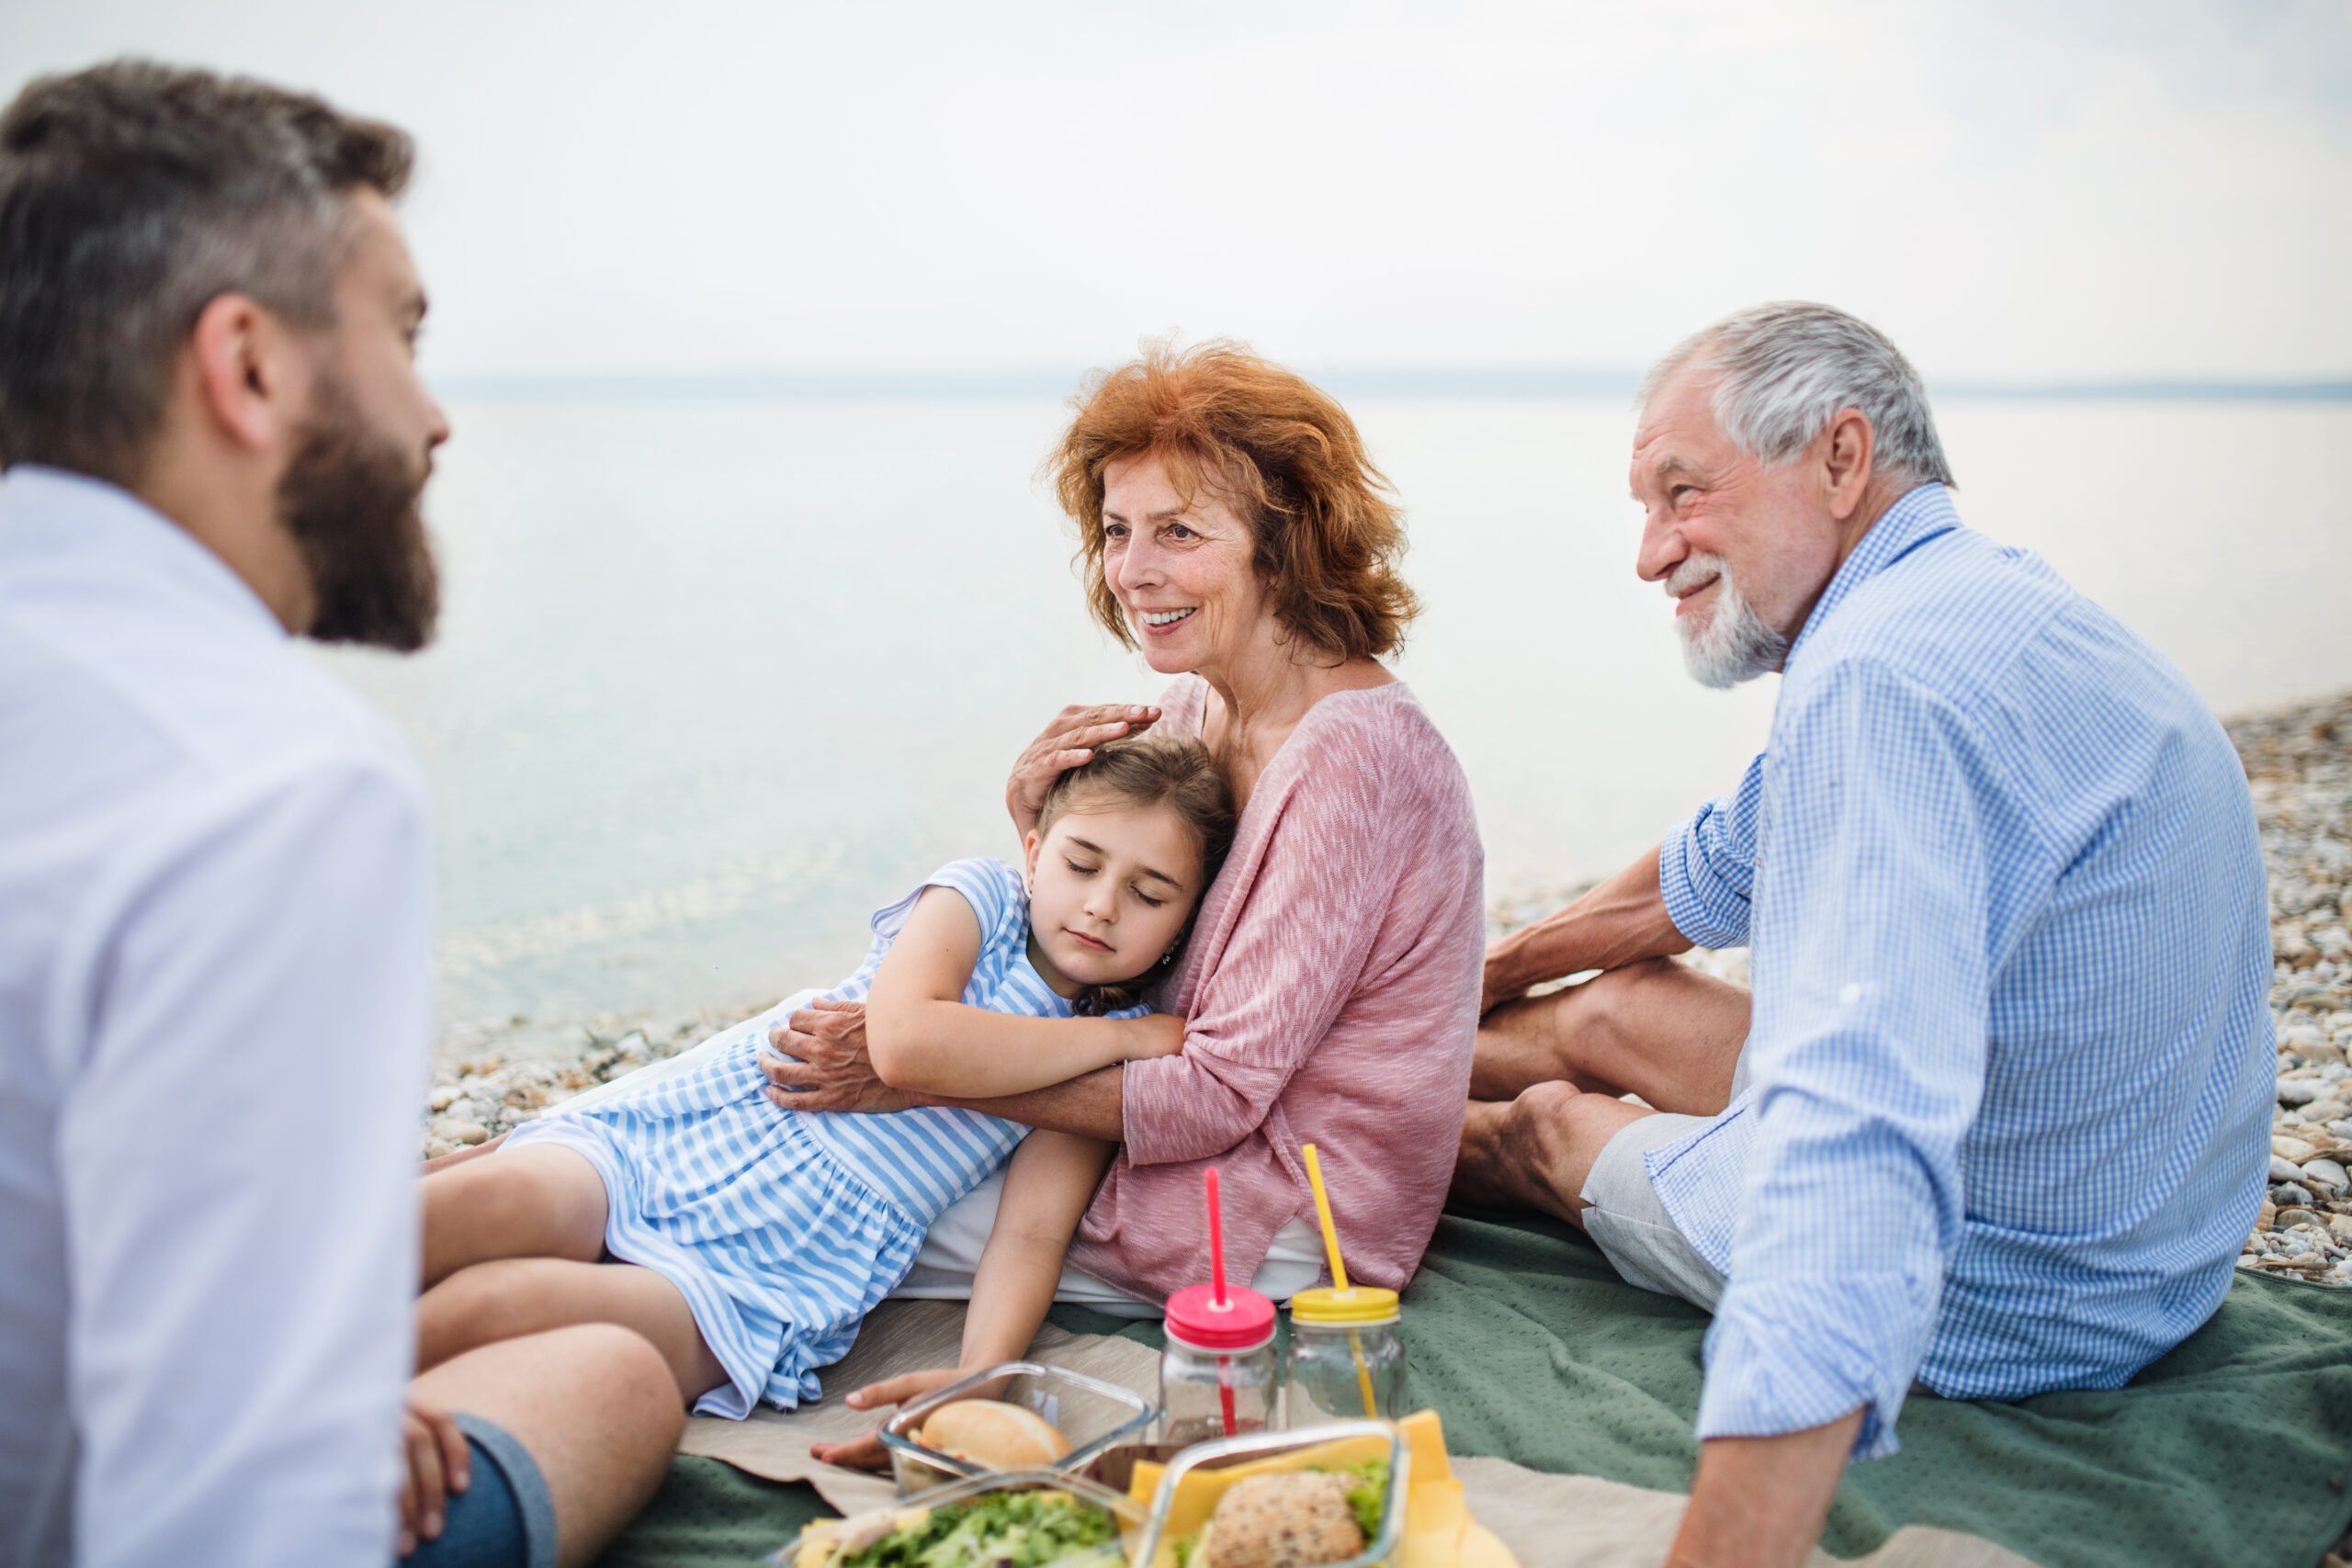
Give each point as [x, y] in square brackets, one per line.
[51, 517]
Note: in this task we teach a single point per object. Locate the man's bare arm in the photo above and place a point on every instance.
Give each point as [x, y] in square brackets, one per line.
[1758, 1502]
[1621, 922]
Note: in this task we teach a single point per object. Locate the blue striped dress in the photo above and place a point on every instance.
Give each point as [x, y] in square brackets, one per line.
[782, 1228]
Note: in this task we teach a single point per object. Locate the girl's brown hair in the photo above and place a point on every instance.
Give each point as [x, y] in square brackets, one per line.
[1146, 770]
[1281, 454]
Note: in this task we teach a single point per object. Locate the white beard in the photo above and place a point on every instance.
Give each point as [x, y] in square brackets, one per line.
[1735, 644]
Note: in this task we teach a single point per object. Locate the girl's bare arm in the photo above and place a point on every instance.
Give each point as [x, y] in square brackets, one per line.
[1051, 1180]
[920, 1037]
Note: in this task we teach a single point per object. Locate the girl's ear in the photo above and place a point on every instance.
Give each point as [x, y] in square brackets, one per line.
[1030, 842]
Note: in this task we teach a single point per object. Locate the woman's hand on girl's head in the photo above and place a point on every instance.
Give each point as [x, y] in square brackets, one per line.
[867, 1452]
[833, 1072]
[1064, 743]
[1156, 1035]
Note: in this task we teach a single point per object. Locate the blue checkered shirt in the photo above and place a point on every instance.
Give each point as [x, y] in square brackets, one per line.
[2009, 1074]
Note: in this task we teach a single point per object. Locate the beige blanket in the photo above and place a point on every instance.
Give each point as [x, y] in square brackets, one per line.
[1548, 1522]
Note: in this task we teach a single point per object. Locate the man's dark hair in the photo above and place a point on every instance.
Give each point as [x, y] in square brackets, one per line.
[132, 196]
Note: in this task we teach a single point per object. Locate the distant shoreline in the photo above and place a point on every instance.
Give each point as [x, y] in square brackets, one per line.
[1501, 383]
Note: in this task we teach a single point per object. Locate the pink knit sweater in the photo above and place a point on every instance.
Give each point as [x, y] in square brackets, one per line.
[1331, 996]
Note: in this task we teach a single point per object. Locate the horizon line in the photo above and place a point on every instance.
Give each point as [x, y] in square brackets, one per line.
[1501, 383]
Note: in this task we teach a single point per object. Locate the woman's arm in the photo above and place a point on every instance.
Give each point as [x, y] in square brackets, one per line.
[833, 1072]
[922, 1037]
[1051, 1180]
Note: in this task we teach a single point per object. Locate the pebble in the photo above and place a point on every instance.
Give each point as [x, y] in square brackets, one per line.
[2298, 766]
[491, 1078]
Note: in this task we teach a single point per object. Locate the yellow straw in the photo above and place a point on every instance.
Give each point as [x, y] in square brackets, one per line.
[1339, 1269]
[1323, 1213]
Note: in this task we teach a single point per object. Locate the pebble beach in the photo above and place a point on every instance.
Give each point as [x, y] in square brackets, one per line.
[2298, 761]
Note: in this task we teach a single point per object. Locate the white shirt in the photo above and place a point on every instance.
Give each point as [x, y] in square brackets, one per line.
[214, 1008]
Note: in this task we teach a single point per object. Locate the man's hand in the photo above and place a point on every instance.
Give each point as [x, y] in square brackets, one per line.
[1063, 744]
[867, 1452]
[1759, 1502]
[833, 1072]
[434, 1447]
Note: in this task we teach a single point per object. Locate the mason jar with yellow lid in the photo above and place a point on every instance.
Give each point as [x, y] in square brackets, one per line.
[1346, 1360]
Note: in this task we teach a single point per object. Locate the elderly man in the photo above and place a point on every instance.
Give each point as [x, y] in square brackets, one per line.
[1998, 873]
[215, 986]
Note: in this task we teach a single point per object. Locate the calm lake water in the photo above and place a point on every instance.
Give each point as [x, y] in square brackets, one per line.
[717, 679]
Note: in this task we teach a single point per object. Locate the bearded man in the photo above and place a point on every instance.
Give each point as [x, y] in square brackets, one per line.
[215, 995]
[1995, 859]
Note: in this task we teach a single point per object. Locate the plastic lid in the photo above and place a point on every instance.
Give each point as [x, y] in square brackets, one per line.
[1245, 1321]
[1357, 1303]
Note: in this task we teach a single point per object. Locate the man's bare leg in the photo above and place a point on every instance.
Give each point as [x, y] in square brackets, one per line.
[1535, 1152]
[510, 1297]
[1656, 1028]
[1548, 1070]
[593, 1405]
[540, 1200]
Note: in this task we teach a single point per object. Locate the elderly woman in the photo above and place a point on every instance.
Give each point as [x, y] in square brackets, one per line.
[1234, 529]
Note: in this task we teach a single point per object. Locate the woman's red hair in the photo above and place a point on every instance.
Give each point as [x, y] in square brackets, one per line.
[1281, 453]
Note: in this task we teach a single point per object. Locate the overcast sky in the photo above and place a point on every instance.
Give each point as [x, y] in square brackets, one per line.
[2015, 190]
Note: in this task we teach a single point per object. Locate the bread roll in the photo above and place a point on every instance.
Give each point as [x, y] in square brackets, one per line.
[992, 1433]
[1297, 1520]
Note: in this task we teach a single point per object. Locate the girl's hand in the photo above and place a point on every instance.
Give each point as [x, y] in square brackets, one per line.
[867, 1452]
[833, 1072]
[1156, 1035]
[1063, 744]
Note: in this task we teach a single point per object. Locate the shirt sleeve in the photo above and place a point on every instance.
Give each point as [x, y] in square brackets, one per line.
[1707, 867]
[1322, 887]
[992, 888]
[237, 1146]
[1868, 1053]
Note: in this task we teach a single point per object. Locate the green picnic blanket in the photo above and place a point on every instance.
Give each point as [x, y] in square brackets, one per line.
[2235, 1449]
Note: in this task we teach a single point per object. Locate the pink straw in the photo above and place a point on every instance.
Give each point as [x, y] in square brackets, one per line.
[1216, 1274]
[1217, 1240]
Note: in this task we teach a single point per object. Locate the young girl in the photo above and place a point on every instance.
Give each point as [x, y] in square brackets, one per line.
[748, 1241]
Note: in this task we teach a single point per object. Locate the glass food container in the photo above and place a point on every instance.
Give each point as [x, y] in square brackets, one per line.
[815, 1546]
[1347, 1357]
[1218, 1377]
[1180, 1504]
[1094, 1415]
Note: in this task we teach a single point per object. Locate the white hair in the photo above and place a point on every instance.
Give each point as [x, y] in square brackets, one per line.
[1734, 644]
[1787, 369]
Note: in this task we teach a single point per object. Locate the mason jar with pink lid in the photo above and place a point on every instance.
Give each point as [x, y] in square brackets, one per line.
[1218, 1375]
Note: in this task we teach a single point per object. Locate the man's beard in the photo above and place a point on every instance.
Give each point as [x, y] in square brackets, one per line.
[351, 499]
[1735, 644]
